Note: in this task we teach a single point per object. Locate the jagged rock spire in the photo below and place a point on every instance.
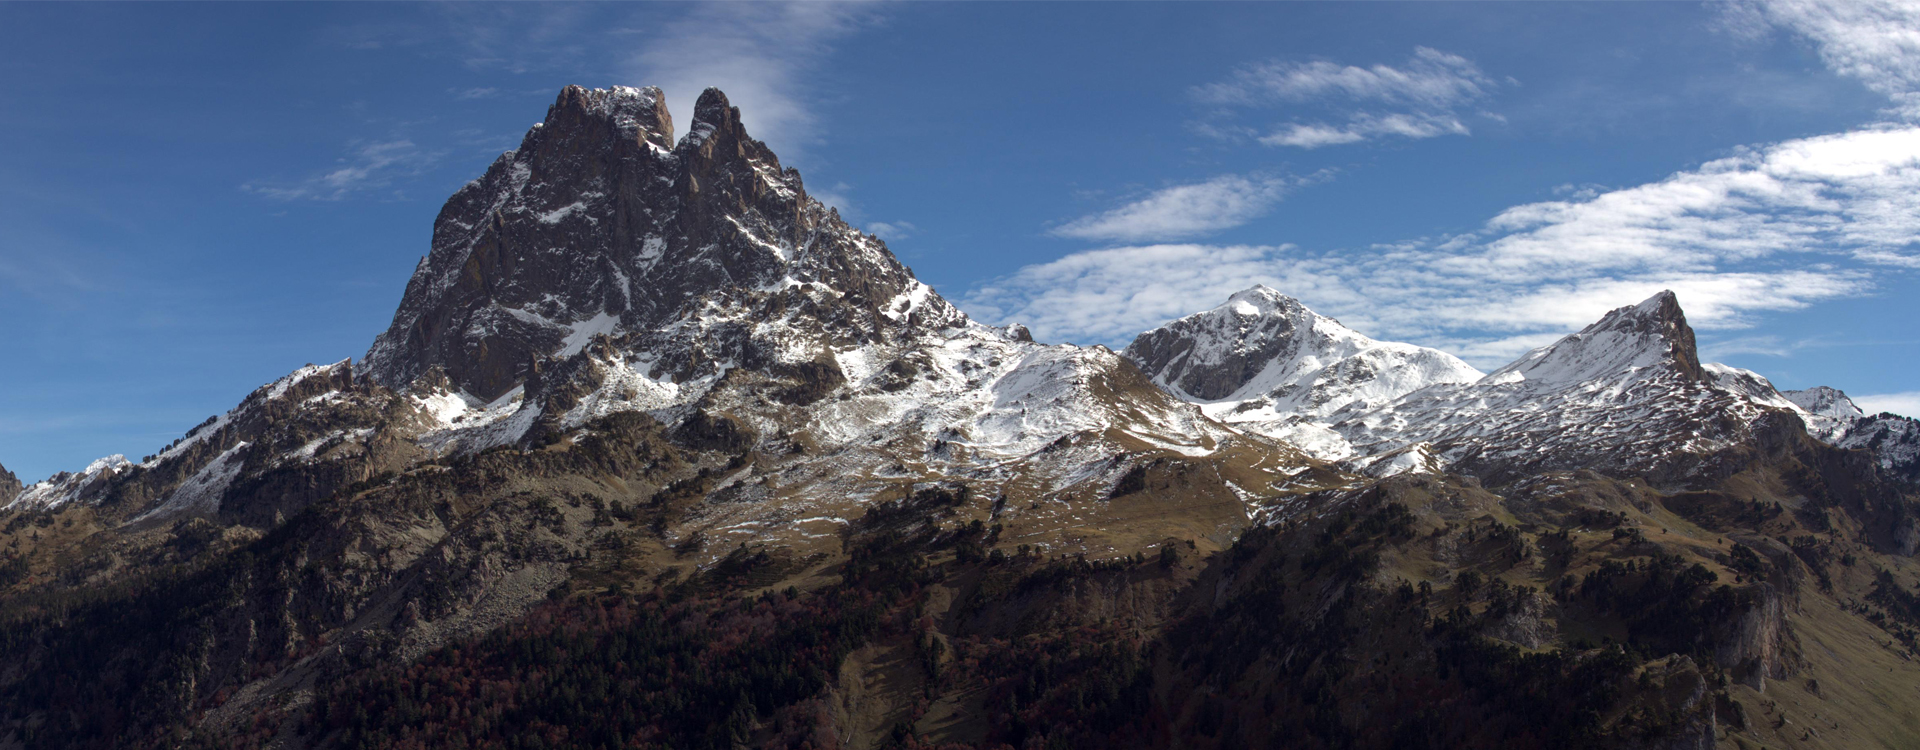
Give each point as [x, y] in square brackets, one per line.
[9, 486]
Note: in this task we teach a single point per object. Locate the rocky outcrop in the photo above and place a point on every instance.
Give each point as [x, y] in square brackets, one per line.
[9, 486]
[1760, 645]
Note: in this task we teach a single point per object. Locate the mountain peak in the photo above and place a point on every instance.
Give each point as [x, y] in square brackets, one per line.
[1263, 355]
[1824, 401]
[1652, 334]
[713, 108]
[1660, 317]
[639, 112]
[1259, 293]
[601, 224]
[1829, 413]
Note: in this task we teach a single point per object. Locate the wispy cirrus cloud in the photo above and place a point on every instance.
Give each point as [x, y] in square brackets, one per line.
[1775, 227]
[1182, 211]
[767, 57]
[892, 231]
[1426, 97]
[1364, 126]
[1431, 79]
[366, 167]
[763, 55]
[1875, 41]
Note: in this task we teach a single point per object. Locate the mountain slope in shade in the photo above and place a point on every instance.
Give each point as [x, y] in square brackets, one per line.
[1265, 363]
[1894, 440]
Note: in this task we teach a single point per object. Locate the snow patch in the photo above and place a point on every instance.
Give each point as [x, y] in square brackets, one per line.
[202, 492]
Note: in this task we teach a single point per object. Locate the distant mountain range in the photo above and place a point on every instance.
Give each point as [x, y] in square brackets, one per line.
[646, 391]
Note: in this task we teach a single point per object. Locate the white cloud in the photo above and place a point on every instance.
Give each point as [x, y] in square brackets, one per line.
[761, 54]
[1771, 346]
[1431, 79]
[1181, 211]
[368, 166]
[1772, 228]
[1364, 126]
[1429, 93]
[1107, 296]
[1876, 41]
[1857, 191]
[1905, 404]
[891, 231]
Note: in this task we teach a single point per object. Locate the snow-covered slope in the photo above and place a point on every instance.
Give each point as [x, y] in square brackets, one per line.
[66, 487]
[1827, 411]
[1265, 363]
[1627, 394]
[287, 443]
[1651, 337]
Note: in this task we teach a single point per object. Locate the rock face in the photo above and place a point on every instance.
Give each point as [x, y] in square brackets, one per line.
[600, 223]
[9, 486]
[1265, 362]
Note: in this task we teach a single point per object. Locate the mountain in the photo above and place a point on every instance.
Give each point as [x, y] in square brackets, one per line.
[1626, 394]
[599, 223]
[660, 452]
[1265, 363]
[1832, 417]
[1827, 411]
[9, 486]
[1894, 441]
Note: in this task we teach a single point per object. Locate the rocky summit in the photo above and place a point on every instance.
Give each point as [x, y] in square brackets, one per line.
[658, 451]
[600, 223]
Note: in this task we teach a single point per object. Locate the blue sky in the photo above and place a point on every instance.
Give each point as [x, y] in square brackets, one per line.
[201, 198]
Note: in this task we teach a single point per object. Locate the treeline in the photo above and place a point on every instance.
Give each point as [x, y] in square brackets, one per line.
[689, 666]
